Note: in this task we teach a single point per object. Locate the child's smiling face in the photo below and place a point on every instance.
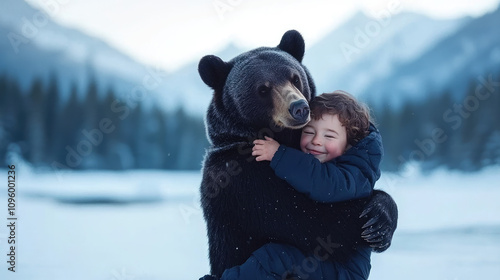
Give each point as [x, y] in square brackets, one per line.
[325, 138]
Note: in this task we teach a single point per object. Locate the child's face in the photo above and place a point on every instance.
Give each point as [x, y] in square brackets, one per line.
[325, 138]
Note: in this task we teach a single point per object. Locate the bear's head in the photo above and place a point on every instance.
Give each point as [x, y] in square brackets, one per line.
[265, 88]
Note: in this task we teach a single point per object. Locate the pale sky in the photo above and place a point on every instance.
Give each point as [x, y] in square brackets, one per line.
[170, 33]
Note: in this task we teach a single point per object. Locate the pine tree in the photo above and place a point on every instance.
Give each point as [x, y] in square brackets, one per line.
[3, 97]
[36, 130]
[443, 151]
[173, 123]
[491, 152]
[52, 113]
[5, 138]
[135, 136]
[110, 133]
[388, 125]
[70, 125]
[91, 105]
[161, 137]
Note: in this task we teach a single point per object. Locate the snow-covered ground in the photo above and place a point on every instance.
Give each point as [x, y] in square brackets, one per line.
[148, 225]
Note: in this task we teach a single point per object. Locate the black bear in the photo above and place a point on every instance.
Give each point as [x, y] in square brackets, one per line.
[266, 91]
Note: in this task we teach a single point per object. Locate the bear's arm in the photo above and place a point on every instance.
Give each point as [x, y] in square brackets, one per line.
[382, 213]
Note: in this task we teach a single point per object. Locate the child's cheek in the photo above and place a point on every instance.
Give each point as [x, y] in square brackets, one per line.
[303, 142]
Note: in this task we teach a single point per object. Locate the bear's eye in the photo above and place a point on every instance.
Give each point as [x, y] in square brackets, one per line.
[263, 90]
[296, 81]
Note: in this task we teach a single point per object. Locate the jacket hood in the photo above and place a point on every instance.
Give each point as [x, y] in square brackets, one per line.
[367, 153]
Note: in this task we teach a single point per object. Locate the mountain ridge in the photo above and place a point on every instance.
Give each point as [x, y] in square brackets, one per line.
[449, 65]
[76, 58]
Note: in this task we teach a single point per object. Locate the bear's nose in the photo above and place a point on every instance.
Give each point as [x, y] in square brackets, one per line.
[299, 110]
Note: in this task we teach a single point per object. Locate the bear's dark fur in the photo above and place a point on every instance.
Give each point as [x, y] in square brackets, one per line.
[245, 205]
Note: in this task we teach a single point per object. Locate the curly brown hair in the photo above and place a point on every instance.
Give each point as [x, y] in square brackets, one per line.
[353, 115]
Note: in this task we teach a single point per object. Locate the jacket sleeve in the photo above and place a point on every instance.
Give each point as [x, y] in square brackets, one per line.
[322, 182]
[350, 176]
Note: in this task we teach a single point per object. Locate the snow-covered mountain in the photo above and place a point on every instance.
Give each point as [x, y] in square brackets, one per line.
[390, 58]
[452, 64]
[34, 46]
[366, 49]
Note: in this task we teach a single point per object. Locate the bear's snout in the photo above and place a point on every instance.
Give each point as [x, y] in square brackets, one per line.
[291, 109]
[299, 111]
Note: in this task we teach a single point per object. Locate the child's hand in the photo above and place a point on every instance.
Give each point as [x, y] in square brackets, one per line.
[264, 149]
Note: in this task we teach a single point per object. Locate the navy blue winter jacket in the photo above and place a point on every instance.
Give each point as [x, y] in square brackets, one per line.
[279, 261]
[349, 176]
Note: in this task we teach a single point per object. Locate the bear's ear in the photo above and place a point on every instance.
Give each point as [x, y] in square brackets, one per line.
[293, 43]
[213, 71]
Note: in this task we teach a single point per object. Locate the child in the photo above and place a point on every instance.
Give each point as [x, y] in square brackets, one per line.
[341, 153]
[338, 123]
